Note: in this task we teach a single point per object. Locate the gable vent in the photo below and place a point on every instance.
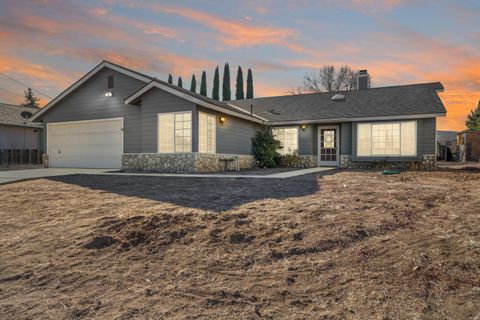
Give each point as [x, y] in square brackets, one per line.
[338, 98]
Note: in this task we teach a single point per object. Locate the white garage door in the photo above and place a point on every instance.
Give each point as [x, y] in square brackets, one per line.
[86, 144]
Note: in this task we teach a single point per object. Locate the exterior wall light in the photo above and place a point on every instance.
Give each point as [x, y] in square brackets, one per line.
[108, 94]
[303, 126]
[222, 120]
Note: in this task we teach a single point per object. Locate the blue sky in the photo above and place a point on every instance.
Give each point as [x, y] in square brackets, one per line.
[50, 44]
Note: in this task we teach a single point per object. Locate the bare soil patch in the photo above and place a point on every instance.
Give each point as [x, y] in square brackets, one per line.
[349, 245]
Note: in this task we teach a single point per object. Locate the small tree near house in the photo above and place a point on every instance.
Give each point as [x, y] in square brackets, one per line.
[170, 79]
[265, 148]
[180, 82]
[473, 119]
[30, 100]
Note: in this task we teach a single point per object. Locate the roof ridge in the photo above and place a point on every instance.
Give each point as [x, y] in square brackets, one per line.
[131, 70]
[345, 91]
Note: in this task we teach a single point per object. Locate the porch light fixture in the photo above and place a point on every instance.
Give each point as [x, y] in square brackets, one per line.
[303, 126]
[222, 120]
[108, 94]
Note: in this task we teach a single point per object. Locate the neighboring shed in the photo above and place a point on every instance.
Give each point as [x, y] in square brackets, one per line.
[446, 145]
[16, 135]
[468, 143]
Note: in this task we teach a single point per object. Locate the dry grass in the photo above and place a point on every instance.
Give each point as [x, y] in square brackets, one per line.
[352, 245]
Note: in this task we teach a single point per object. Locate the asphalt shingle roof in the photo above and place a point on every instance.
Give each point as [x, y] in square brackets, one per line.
[11, 114]
[186, 91]
[414, 99]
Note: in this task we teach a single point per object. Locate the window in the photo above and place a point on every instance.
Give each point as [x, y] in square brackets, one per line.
[289, 139]
[110, 82]
[387, 139]
[206, 133]
[175, 132]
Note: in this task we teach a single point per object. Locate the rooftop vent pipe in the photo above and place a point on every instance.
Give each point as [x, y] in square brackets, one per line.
[338, 98]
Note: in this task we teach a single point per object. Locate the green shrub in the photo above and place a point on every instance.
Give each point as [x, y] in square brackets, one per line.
[292, 160]
[265, 148]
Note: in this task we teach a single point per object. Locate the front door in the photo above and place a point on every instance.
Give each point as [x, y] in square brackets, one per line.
[328, 145]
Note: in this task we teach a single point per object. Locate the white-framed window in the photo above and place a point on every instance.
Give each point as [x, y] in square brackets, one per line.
[387, 139]
[175, 132]
[288, 136]
[206, 133]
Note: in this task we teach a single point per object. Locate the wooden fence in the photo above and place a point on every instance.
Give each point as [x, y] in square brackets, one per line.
[20, 156]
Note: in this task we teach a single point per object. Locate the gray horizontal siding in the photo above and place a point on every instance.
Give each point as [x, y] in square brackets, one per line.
[307, 140]
[157, 101]
[346, 138]
[426, 131]
[235, 136]
[16, 137]
[88, 102]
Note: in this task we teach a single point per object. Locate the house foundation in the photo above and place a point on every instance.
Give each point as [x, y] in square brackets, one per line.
[428, 162]
[185, 162]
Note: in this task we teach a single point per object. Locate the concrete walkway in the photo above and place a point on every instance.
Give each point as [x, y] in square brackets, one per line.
[280, 175]
[19, 175]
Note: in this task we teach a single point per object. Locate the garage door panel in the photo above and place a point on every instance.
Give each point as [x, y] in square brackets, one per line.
[92, 144]
[93, 127]
[87, 150]
[87, 139]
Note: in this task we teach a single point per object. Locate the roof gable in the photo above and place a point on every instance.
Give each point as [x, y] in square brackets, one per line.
[227, 108]
[82, 80]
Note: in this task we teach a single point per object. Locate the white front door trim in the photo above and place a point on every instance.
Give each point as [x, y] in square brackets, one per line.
[337, 141]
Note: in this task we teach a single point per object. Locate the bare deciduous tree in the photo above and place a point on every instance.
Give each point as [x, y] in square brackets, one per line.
[329, 79]
[295, 91]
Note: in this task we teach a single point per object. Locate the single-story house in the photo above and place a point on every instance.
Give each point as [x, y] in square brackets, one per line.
[115, 117]
[17, 135]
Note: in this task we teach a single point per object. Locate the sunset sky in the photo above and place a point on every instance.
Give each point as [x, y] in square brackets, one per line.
[50, 44]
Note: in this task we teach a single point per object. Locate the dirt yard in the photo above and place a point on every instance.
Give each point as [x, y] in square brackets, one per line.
[347, 245]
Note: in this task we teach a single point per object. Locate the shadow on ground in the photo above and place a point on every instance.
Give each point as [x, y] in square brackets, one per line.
[216, 194]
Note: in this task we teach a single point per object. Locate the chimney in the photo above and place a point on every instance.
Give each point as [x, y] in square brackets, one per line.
[363, 80]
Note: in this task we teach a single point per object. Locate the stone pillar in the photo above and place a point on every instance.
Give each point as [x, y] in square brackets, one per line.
[345, 161]
[429, 162]
[45, 162]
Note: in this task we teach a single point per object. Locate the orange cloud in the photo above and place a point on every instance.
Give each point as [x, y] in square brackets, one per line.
[237, 34]
[37, 75]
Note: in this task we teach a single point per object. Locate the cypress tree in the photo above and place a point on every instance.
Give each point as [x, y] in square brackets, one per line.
[193, 84]
[203, 84]
[249, 84]
[216, 85]
[180, 82]
[170, 79]
[226, 93]
[239, 94]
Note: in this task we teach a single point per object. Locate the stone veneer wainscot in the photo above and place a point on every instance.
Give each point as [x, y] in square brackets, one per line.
[183, 162]
[428, 162]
